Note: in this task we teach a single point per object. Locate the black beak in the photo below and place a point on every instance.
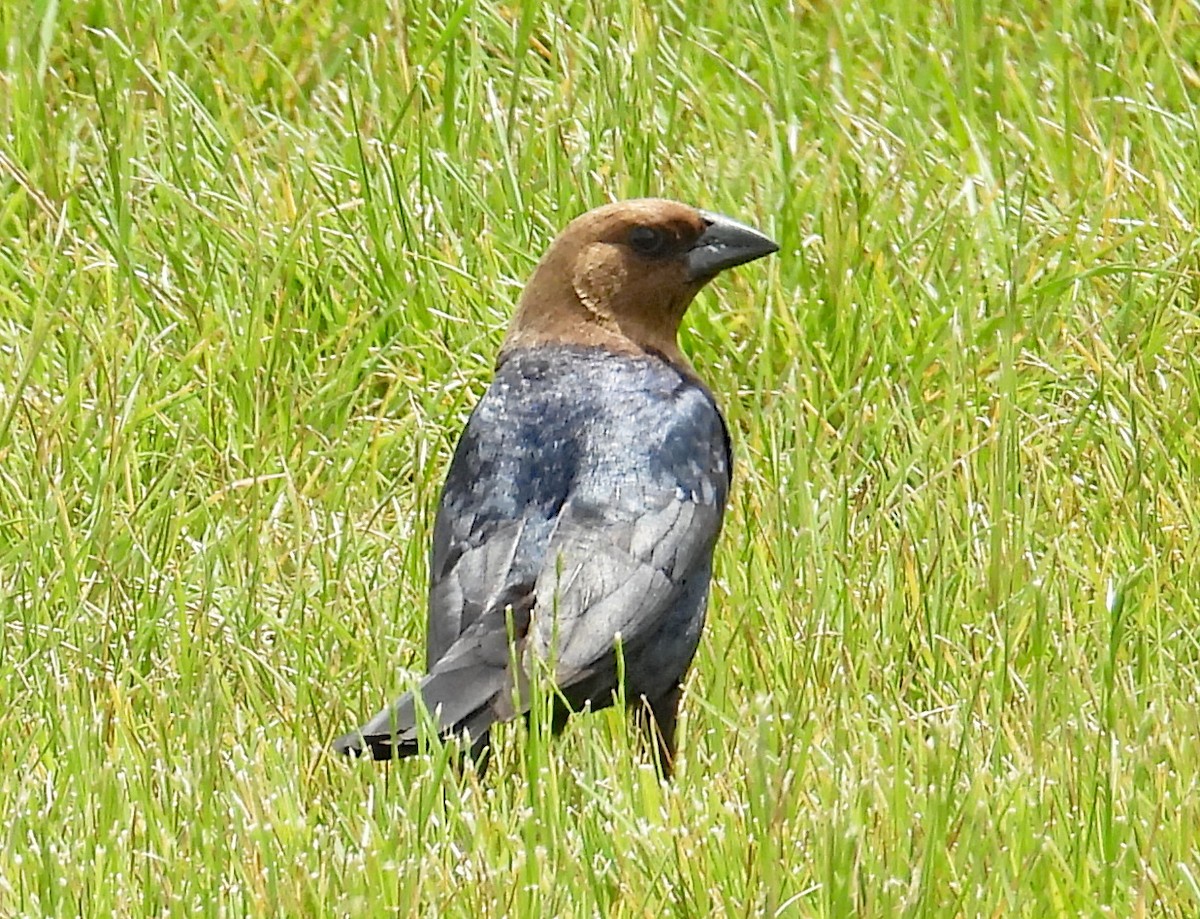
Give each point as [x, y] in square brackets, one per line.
[724, 244]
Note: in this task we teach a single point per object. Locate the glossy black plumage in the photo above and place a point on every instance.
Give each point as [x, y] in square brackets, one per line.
[587, 491]
[586, 494]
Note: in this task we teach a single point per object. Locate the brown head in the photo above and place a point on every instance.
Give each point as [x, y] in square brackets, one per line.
[622, 276]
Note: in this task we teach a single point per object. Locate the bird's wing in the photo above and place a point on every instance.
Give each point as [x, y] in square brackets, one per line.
[613, 576]
[589, 546]
[485, 575]
[506, 485]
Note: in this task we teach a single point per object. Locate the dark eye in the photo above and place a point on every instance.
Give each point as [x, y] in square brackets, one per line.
[647, 240]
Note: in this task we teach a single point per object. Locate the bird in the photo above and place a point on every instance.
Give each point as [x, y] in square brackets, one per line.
[575, 531]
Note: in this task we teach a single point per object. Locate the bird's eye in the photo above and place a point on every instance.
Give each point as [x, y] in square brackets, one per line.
[647, 240]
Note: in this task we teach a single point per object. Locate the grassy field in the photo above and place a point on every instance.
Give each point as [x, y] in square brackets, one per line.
[255, 263]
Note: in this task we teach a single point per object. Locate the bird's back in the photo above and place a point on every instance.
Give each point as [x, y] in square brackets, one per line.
[616, 435]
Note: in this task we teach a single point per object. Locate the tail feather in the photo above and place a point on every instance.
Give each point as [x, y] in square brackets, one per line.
[468, 691]
[461, 701]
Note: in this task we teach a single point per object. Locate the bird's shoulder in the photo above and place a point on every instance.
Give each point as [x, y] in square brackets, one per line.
[561, 422]
[554, 410]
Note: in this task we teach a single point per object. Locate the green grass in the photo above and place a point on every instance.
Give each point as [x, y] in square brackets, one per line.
[255, 263]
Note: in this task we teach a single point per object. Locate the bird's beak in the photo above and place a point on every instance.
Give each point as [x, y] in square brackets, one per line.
[724, 244]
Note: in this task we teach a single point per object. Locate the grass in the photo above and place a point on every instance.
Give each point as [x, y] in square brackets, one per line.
[256, 261]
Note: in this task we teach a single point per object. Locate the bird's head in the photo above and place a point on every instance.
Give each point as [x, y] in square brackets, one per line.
[622, 276]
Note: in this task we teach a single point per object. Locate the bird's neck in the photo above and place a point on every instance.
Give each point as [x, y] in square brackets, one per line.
[582, 327]
[556, 308]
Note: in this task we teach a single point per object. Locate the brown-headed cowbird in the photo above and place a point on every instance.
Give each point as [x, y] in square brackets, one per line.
[578, 519]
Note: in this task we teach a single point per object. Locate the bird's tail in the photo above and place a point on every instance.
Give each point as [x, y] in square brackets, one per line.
[460, 702]
[469, 689]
